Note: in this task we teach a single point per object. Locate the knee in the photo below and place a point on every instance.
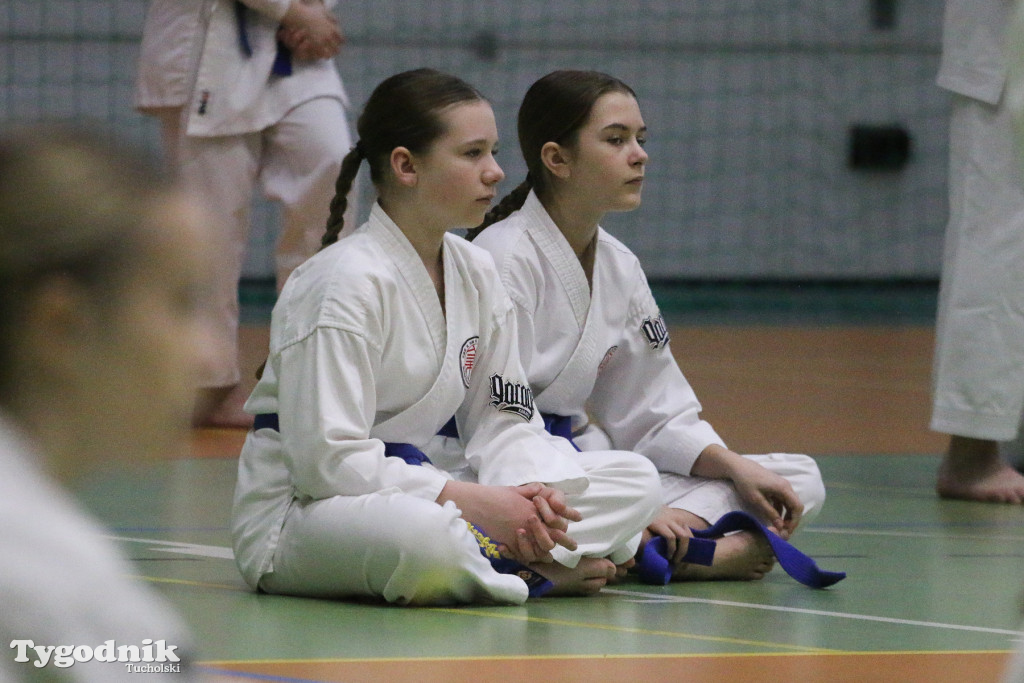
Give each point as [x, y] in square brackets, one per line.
[633, 476]
[809, 486]
[435, 540]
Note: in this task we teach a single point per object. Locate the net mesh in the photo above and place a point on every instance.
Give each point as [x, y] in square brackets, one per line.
[749, 104]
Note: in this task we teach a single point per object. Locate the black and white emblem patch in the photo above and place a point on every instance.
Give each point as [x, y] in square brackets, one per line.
[511, 397]
[655, 331]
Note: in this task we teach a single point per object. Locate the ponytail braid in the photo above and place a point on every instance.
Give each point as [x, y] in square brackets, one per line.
[346, 176]
[513, 201]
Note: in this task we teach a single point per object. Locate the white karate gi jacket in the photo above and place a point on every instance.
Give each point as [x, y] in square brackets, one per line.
[361, 353]
[601, 357]
[973, 53]
[191, 55]
[63, 583]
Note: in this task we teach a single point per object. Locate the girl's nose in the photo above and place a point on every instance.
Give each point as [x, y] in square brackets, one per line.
[493, 174]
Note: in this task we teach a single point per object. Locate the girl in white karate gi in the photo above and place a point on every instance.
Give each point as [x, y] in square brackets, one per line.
[103, 331]
[376, 343]
[592, 340]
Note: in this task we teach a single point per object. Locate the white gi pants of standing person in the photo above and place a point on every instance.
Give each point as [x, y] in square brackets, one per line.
[295, 162]
[978, 386]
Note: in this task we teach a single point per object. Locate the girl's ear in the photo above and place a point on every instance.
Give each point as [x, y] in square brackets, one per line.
[556, 159]
[58, 321]
[403, 166]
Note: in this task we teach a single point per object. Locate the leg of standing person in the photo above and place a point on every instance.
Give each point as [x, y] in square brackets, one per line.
[302, 157]
[223, 170]
[978, 381]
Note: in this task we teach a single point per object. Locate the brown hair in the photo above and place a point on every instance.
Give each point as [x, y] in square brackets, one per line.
[554, 109]
[403, 111]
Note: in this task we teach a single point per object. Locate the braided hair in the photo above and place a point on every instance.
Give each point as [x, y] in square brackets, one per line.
[554, 109]
[403, 111]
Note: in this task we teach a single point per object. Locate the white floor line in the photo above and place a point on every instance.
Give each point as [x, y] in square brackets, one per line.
[216, 551]
[911, 534]
[648, 597]
[222, 552]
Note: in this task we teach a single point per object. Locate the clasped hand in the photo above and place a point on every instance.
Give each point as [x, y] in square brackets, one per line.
[526, 522]
[311, 31]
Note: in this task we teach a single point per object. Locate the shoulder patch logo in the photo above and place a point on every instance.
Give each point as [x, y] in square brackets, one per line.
[511, 397]
[467, 359]
[655, 331]
[607, 358]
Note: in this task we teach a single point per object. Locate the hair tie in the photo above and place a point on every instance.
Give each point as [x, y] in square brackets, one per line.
[359, 149]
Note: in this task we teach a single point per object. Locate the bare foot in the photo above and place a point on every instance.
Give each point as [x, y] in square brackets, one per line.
[743, 556]
[221, 407]
[973, 470]
[587, 578]
[621, 570]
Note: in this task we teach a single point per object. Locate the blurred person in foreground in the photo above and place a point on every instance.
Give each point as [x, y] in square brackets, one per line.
[103, 279]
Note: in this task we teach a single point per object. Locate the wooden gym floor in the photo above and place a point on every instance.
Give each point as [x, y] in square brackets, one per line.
[933, 589]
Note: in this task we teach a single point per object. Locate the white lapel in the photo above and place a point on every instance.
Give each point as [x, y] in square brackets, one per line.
[553, 246]
[446, 393]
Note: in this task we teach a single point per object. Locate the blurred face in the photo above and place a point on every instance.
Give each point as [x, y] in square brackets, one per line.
[608, 159]
[458, 175]
[155, 338]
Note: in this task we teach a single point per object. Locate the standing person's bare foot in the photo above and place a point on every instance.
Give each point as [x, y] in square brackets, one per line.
[972, 469]
[743, 556]
[586, 578]
[221, 407]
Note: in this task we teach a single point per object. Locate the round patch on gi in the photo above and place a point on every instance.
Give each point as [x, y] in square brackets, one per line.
[607, 358]
[467, 358]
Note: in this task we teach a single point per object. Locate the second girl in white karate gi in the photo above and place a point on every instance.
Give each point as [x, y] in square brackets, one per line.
[592, 339]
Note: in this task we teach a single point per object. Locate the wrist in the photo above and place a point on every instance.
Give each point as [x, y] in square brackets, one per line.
[297, 15]
[716, 462]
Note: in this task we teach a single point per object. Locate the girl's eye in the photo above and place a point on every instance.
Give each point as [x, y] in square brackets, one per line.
[641, 140]
[615, 141]
[473, 153]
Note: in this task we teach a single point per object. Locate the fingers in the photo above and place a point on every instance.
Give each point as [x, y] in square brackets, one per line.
[557, 501]
[677, 538]
[525, 547]
[549, 516]
[563, 539]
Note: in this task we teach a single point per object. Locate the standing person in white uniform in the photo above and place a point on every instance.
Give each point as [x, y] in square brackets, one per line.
[247, 92]
[375, 343]
[102, 270]
[591, 337]
[978, 373]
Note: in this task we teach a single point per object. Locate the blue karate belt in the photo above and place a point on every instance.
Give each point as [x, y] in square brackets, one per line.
[654, 567]
[283, 59]
[393, 449]
[556, 425]
[537, 584]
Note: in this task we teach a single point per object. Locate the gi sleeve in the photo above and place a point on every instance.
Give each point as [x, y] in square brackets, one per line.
[506, 443]
[641, 398]
[273, 9]
[326, 407]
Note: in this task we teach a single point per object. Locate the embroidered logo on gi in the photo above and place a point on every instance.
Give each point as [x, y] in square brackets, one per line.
[511, 397]
[655, 331]
[467, 358]
[607, 358]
